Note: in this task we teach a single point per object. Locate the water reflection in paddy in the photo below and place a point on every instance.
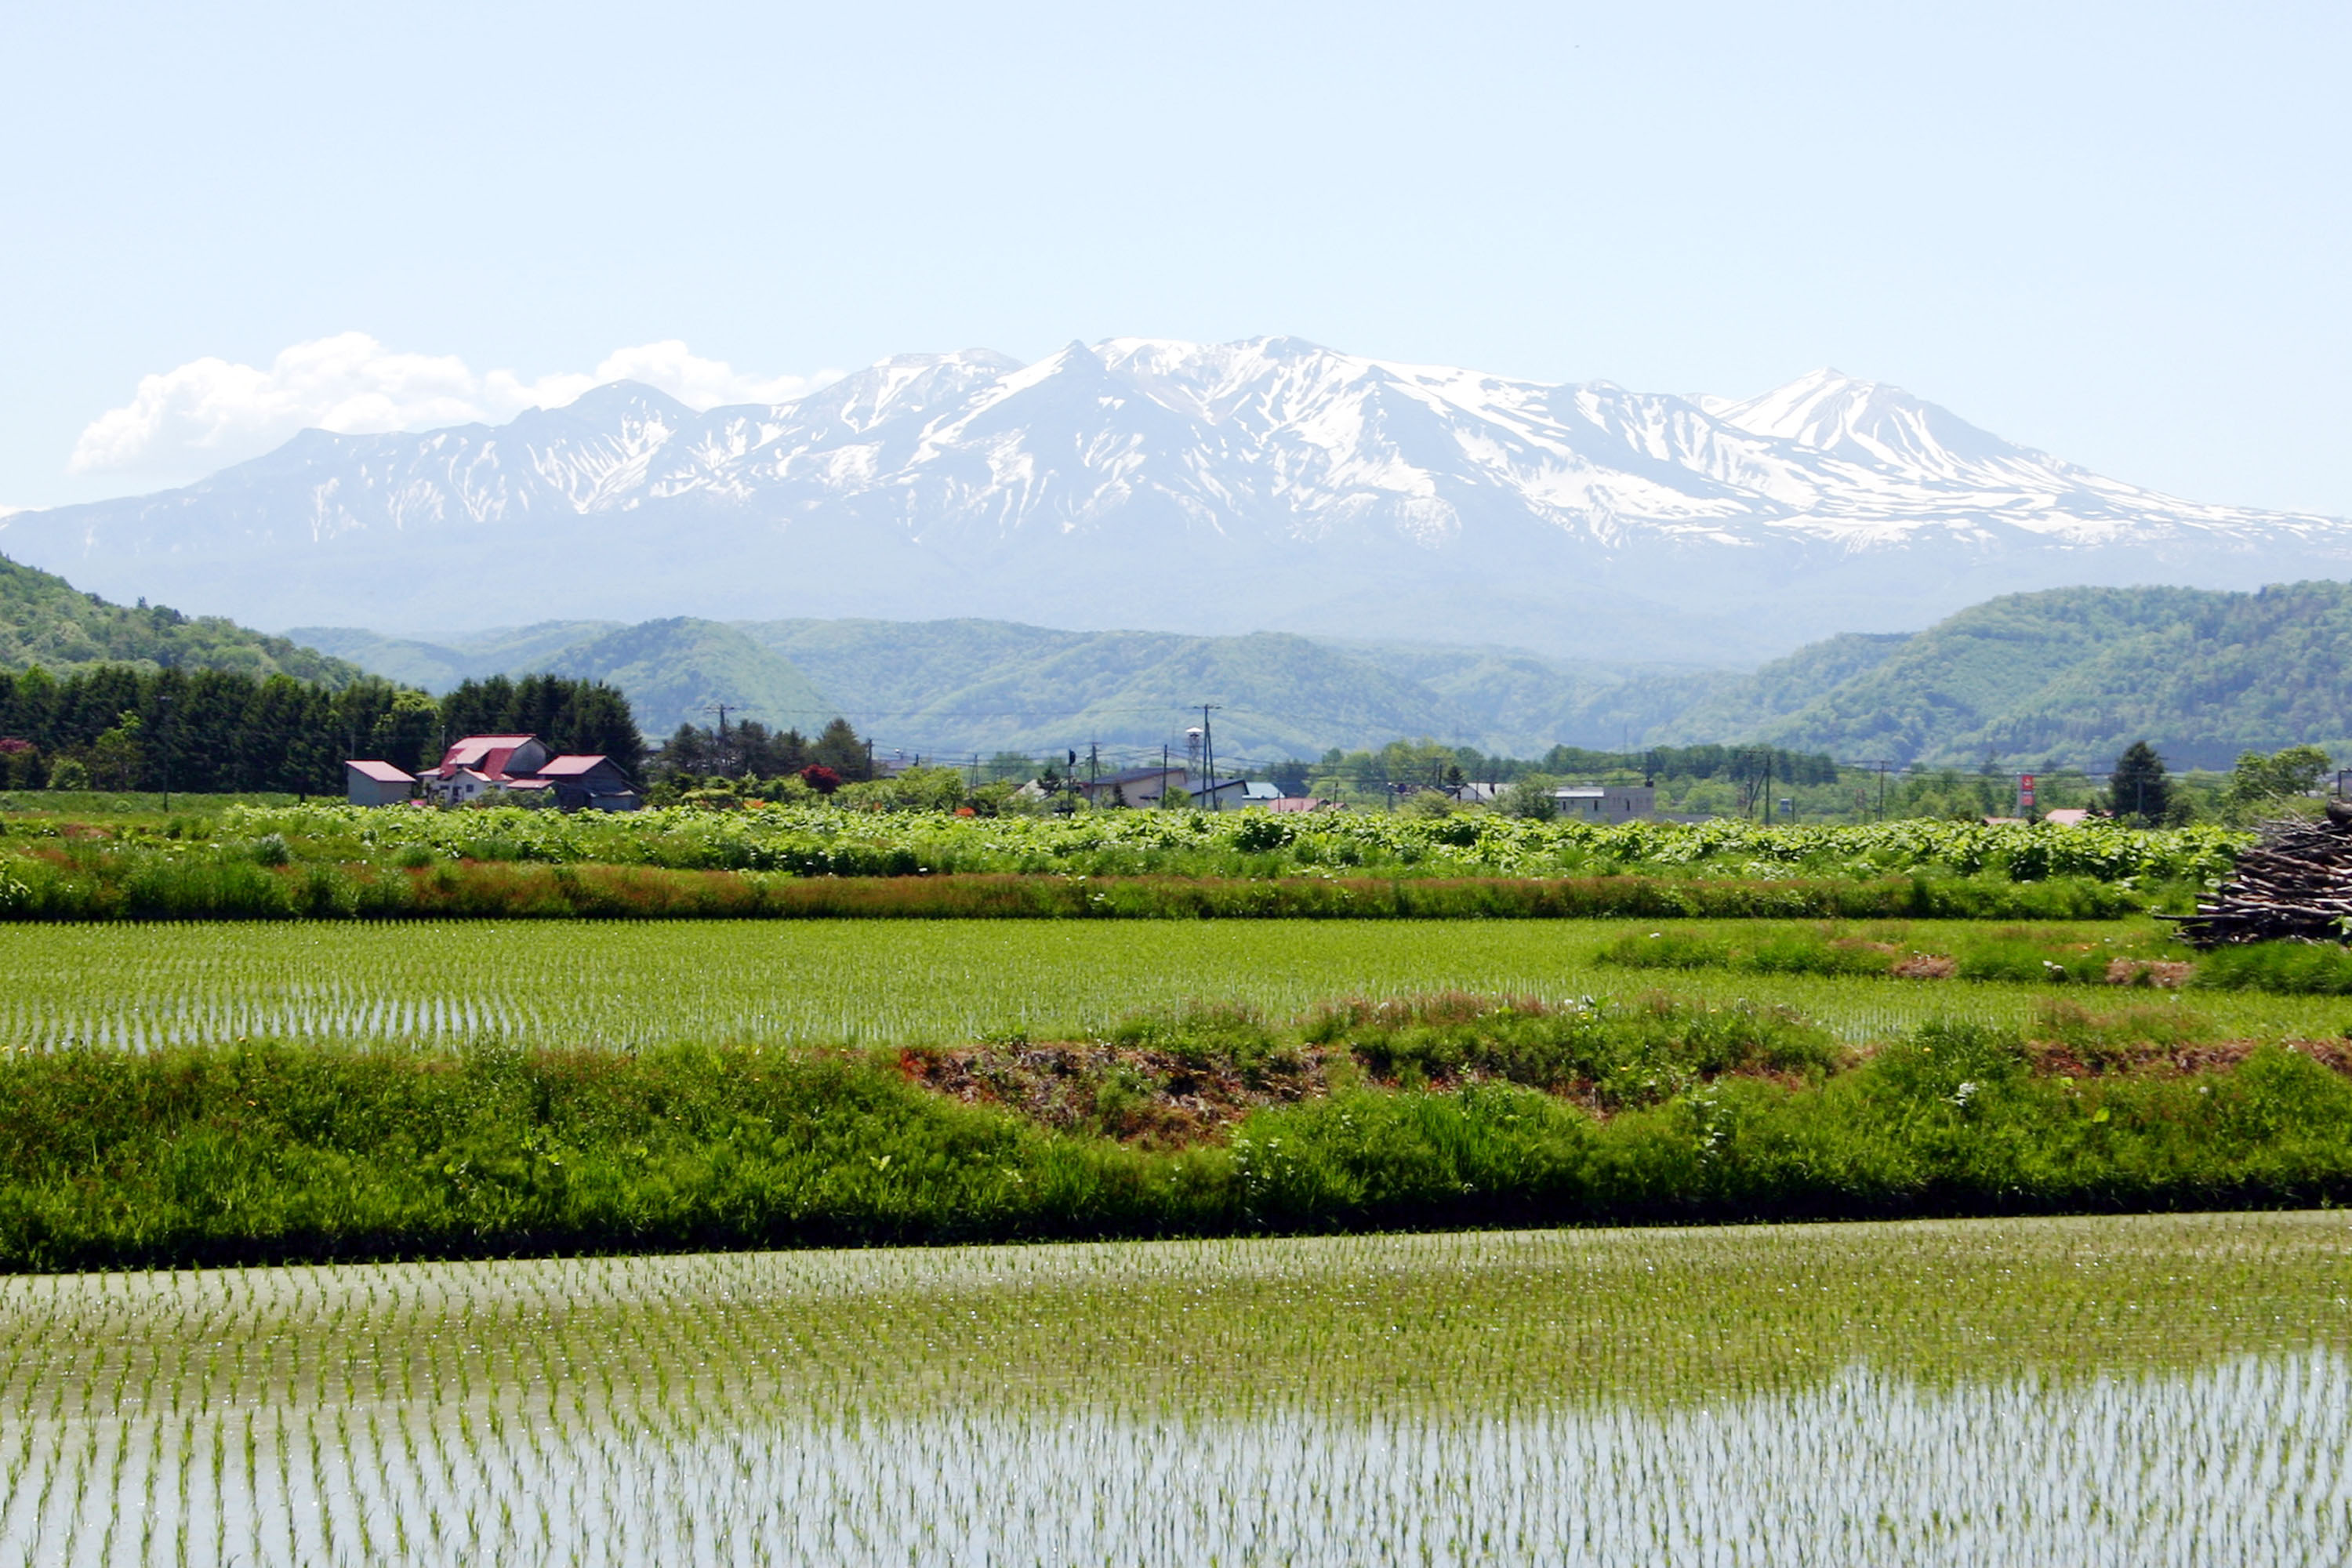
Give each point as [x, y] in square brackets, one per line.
[2149, 1390]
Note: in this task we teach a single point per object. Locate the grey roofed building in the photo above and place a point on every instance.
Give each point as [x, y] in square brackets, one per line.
[1606, 803]
[1147, 787]
[590, 783]
[1132, 786]
[377, 784]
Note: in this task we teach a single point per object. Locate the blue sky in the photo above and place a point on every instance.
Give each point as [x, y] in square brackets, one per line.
[2115, 232]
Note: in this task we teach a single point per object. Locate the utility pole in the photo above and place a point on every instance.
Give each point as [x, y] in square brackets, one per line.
[1878, 765]
[166, 703]
[1209, 757]
[721, 708]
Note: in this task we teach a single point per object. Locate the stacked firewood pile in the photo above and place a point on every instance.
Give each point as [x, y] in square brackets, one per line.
[2297, 883]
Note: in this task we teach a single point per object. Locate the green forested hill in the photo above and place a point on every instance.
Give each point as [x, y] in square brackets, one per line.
[671, 670]
[45, 620]
[2067, 676]
[1528, 703]
[950, 685]
[436, 666]
[675, 671]
[2073, 675]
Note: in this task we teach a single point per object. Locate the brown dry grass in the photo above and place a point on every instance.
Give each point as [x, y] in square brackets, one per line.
[1137, 1094]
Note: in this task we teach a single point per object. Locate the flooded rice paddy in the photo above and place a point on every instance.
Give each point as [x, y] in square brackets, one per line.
[2151, 1390]
[623, 984]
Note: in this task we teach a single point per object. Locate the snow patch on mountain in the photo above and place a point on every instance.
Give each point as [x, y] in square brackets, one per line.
[1271, 482]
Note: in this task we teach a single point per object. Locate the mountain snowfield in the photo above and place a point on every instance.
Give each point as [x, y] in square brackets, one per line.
[1204, 487]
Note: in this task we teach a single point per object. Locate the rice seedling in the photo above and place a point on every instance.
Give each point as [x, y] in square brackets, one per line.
[638, 984]
[2171, 1390]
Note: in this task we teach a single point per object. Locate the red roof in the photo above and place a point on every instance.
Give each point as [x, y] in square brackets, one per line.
[488, 753]
[572, 767]
[383, 772]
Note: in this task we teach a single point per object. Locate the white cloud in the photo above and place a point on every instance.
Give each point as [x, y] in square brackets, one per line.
[210, 413]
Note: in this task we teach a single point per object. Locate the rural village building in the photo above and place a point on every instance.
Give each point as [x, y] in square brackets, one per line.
[588, 783]
[1606, 803]
[377, 784]
[1145, 786]
[519, 767]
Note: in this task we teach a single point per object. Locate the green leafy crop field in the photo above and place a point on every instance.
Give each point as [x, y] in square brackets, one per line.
[820, 840]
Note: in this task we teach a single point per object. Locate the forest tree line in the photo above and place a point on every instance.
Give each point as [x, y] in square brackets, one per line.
[748, 753]
[1406, 767]
[118, 727]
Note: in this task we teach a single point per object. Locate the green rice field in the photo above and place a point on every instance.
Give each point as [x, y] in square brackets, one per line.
[625, 983]
[2128, 1390]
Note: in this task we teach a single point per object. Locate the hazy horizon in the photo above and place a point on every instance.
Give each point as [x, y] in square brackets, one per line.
[2103, 234]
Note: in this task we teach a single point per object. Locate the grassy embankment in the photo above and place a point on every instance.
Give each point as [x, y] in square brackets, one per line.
[1443, 1113]
[165, 888]
[2131, 957]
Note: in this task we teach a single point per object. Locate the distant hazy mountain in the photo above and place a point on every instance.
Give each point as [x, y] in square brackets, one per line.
[438, 666]
[2066, 676]
[954, 687]
[1224, 489]
[944, 686]
[674, 671]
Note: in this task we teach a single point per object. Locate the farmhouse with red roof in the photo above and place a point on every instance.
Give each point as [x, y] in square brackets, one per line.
[519, 768]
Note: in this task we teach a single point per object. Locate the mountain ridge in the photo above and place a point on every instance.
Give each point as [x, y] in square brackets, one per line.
[2064, 676]
[1206, 488]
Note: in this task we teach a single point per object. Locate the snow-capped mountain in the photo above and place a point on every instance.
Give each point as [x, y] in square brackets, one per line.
[1270, 483]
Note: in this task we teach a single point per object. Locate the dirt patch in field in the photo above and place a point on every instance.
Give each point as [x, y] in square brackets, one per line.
[1155, 1098]
[2152, 1058]
[2165, 975]
[1161, 1099]
[1926, 966]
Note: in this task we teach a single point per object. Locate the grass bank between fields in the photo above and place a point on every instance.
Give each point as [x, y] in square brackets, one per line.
[61, 885]
[1447, 1112]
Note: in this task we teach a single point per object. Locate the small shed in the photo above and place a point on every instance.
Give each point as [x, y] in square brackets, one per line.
[376, 784]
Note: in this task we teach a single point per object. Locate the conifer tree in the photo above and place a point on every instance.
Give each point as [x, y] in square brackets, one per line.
[2139, 789]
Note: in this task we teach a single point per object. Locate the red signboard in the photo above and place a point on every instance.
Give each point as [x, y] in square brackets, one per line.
[2024, 794]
